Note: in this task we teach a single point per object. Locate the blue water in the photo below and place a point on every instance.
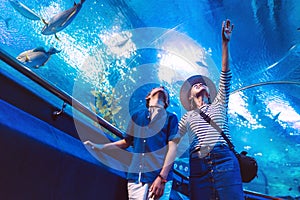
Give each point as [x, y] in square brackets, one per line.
[114, 51]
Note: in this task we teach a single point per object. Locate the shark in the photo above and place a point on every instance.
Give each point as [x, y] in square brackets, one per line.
[61, 20]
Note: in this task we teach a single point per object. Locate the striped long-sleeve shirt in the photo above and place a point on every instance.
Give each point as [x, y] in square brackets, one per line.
[201, 133]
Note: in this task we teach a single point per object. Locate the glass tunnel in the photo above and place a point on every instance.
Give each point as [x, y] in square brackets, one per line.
[108, 54]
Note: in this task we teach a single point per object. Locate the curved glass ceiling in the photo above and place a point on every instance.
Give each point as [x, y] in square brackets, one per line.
[113, 51]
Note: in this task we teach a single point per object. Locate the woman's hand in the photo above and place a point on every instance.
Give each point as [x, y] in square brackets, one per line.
[226, 30]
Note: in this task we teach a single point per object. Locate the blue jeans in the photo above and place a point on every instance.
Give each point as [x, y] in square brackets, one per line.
[215, 175]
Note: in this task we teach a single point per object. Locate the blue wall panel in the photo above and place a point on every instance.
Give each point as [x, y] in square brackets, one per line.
[39, 161]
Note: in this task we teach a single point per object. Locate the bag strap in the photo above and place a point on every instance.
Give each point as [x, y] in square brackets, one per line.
[213, 124]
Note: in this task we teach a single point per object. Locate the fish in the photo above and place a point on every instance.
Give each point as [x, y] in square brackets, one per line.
[24, 10]
[241, 117]
[61, 20]
[254, 101]
[276, 116]
[202, 64]
[6, 20]
[36, 57]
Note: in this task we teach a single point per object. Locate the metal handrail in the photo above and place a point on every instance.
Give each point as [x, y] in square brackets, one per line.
[265, 83]
[8, 59]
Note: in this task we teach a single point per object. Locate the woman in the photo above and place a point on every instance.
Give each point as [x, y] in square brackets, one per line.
[214, 169]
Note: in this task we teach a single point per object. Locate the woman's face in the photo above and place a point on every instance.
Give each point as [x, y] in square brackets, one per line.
[198, 88]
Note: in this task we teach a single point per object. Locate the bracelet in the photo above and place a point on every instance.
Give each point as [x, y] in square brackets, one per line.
[163, 180]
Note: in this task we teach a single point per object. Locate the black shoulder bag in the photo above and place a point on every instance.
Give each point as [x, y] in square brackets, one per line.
[248, 165]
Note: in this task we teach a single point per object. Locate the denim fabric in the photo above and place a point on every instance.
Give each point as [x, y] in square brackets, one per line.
[216, 175]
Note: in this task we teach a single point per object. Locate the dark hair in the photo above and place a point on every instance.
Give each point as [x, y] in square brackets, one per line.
[166, 99]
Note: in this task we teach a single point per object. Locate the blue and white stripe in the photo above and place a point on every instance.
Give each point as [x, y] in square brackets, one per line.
[200, 132]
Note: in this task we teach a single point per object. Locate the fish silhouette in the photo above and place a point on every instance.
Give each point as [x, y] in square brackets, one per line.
[36, 57]
[24, 10]
[61, 20]
[6, 20]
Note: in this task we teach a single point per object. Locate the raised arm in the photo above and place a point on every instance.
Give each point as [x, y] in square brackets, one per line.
[226, 35]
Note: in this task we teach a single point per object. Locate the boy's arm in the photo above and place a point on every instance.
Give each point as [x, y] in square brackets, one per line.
[158, 186]
[112, 145]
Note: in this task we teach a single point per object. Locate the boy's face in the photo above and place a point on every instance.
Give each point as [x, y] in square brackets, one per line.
[156, 91]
